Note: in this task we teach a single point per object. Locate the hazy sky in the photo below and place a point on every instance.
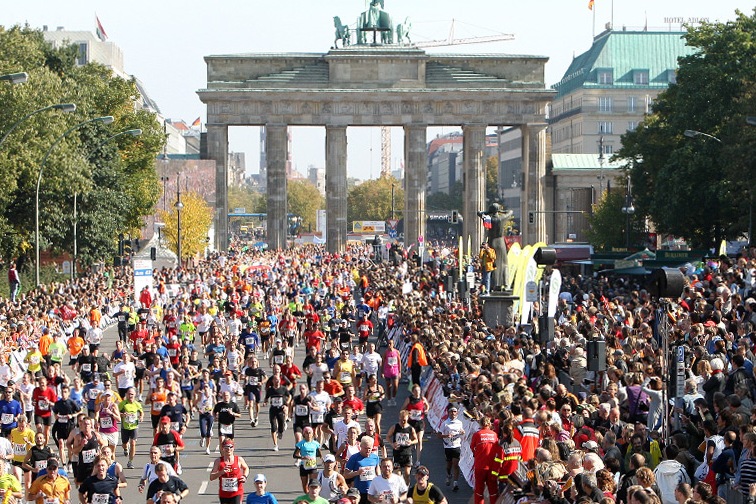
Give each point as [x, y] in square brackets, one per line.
[164, 41]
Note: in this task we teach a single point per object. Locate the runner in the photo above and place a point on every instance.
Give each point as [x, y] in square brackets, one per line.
[307, 452]
[225, 414]
[261, 495]
[387, 487]
[300, 411]
[392, 372]
[165, 484]
[204, 403]
[44, 398]
[149, 474]
[423, 491]
[417, 406]
[402, 437]
[374, 394]
[132, 415]
[232, 471]
[170, 443]
[332, 483]
[451, 432]
[312, 496]
[52, 487]
[278, 396]
[362, 467]
[108, 417]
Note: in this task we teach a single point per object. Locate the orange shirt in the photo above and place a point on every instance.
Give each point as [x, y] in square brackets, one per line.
[75, 344]
[157, 401]
[44, 343]
[95, 317]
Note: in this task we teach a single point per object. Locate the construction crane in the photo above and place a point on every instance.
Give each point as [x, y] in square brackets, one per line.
[450, 41]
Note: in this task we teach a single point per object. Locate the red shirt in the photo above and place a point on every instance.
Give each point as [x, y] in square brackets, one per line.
[314, 339]
[485, 446]
[364, 328]
[43, 400]
[356, 404]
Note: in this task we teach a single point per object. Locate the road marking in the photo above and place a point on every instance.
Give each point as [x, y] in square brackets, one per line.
[210, 467]
[203, 487]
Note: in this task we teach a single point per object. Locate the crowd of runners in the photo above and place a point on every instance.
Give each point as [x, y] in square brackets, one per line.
[310, 341]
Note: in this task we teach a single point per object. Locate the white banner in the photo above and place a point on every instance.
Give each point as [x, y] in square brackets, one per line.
[530, 276]
[555, 285]
[142, 276]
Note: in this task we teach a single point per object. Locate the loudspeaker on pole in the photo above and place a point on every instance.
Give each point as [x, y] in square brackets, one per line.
[596, 355]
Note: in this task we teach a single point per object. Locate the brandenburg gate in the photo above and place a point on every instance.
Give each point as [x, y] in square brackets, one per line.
[378, 84]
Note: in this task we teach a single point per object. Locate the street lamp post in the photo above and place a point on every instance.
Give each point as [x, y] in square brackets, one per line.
[628, 210]
[179, 206]
[164, 180]
[65, 107]
[15, 78]
[693, 134]
[104, 120]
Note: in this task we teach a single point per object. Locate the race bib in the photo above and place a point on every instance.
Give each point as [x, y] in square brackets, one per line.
[172, 352]
[249, 341]
[40, 464]
[369, 474]
[310, 463]
[157, 405]
[50, 500]
[43, 405]
[226, 429]
[402, 438]
[19, 449]
[345, 376]
[416, 414]
[86, 367]
[175, 426]
[88, 457]
[94, 394]
[166, 450]
[106, 422]
[99, 498]
[301, 410]
[392, 361]
[316, 417]
[7, 418]
[276, 402]
[278, 359]
[130, 418]
[253, 381]
[230, 484]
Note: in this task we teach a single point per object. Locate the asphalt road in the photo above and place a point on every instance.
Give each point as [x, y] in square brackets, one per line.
[255, 445]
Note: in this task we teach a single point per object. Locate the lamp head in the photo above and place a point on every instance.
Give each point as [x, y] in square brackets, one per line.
[105, 119]
[133, 132]
[65, 107]
[691, 133]
[15, 78]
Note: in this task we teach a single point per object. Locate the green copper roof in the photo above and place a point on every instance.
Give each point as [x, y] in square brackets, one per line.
[624, 52]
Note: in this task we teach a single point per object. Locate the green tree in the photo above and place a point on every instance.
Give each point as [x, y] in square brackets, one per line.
[371, 200]
[196, 218]
[445, 202]
[244, 197]
[492, 180]
[607, 223]
[700, 188]
[304, 200]
[114, 179]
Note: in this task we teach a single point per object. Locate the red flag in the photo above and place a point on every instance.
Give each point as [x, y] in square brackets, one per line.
[196, 123]
[590, 4]
[100, 30]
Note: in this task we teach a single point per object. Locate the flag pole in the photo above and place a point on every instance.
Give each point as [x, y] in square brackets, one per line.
[594, 19]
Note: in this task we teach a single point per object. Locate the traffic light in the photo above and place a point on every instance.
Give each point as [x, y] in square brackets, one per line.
[153, 253]
[454, 217]
[120, 244]
[531, 217]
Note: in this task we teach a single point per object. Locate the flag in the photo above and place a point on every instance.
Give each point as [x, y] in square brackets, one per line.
[100, 30]
[196, 123]
[590, 4]
[487, 222]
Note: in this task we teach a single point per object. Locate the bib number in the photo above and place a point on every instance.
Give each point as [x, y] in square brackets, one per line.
[88, 456]
[106, 422]
[7, 418]
[276, 402]
[226, 429]
[368, 475]
[100, 498]
[229, 484]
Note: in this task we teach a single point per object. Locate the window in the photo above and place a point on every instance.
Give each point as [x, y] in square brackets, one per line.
[672, 76]
[605, 127]
[632, 125]
[608, 150]
[605, 77]
[640, 77]
[605, 104]
[81, 58]
[632, 102]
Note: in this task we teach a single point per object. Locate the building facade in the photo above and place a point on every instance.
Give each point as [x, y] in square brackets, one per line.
[607, 90]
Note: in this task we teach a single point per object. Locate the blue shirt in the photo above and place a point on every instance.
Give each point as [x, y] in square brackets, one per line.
[11, 407]
[308, 448]
[266, 498]
[358, 460]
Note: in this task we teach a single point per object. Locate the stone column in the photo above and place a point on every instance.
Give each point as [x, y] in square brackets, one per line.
[336, 188]
[276, 151]
[474, 138]
[217, 150]
[415, 181]
[525, 207]
[534, 174]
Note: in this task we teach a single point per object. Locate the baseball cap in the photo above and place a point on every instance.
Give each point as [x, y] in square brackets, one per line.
[260, 477]
[423, 470]
[353, 492]
[591, 445]
[313, 483]
[165, 419]
[452, 408]
[52, 464]
[343, 500]
[329, 458]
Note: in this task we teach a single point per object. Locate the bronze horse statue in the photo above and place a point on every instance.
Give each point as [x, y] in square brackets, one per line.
[342, 33]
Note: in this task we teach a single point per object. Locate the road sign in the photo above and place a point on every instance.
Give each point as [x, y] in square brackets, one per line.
[680, 371]
[470, 278]
[392, 223]
[392, 233]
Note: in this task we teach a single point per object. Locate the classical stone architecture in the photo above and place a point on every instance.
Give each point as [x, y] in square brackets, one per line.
[383, 85]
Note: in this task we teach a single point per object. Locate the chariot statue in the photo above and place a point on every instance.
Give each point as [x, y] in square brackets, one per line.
[377, 21]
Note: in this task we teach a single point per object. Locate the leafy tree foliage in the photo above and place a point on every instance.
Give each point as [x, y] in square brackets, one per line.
[371, 200]
[196, 218]
[443, 201]
[114, 178]
[608, 223]
[700, 188]
[492, 181]
[304, 200]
